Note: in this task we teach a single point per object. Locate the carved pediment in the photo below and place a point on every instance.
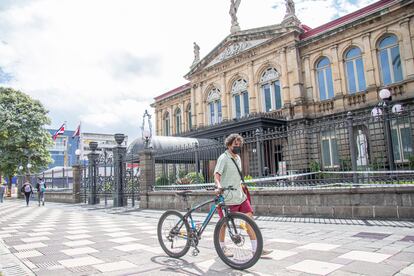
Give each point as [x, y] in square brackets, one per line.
[235, 49]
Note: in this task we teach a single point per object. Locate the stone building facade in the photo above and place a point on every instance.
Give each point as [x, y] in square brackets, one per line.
[289, 72]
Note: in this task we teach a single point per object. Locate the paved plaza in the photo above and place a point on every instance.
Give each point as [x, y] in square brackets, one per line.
[62, 239]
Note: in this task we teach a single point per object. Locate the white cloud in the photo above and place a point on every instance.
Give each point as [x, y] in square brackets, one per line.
[103, 61]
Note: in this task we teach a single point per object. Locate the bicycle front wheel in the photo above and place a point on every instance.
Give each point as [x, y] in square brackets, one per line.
[238, 241]
[174, 234]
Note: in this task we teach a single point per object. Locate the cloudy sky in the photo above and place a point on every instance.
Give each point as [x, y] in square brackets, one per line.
[103, 61]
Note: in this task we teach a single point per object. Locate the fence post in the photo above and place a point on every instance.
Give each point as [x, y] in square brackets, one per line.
[352, 149]
[119, 153]
[92, 157]
[147, 165]
[76, 171]
[258, 135]
[197, 161]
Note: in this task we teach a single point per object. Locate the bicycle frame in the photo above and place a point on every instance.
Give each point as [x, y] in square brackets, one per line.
[219, 203]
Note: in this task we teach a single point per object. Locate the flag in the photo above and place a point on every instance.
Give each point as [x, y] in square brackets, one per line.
[61, 130]
[77, 131]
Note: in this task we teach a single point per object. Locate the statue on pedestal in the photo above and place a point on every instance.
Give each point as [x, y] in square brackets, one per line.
[234, 6]
[362, 146]
[196, 53]
[290, 8]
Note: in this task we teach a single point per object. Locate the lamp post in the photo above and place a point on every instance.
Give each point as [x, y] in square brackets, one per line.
[385, 96]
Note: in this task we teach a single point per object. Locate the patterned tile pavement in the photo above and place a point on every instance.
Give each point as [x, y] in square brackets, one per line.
[62, 239]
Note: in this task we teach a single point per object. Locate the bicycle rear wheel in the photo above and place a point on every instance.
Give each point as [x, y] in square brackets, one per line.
[174, 234]
[243, 242]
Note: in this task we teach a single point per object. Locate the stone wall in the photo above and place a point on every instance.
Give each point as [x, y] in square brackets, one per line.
[62, 197]
[386, 202]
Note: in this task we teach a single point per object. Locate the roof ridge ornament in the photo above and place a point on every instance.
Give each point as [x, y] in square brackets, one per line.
[234, 6]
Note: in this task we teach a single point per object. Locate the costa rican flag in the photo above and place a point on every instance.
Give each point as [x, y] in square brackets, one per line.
[77, 131]
[61, 130]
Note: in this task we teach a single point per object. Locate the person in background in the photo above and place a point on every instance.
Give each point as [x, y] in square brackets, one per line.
[41, 189]
[27, 190]
[2, 190]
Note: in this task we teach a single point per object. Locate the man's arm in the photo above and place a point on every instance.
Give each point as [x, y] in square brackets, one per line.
[217, 181]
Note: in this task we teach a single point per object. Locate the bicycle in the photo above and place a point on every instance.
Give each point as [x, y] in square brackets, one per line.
[182, 233]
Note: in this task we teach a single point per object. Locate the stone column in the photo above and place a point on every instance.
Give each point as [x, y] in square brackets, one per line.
[193, 105]
[336, 75]
[407, 49]
[120, 189]
[93, 173]
[225, 103]
[368, 63]
[252, 90]
[285, 78]
[77, 176]
[147, 165]
[199, 103]
[308, 79]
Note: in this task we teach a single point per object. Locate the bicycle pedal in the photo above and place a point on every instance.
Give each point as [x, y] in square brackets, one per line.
[195, 252]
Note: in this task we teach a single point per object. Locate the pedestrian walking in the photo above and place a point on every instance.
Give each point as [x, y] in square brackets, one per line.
[27, 190]
[41, 190]
[2, 190]
[228, 172]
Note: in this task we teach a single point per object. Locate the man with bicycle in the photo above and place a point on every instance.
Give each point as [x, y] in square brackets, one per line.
[227, 173]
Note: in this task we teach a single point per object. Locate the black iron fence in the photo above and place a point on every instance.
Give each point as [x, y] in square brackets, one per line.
[369, 147]
[109, 178]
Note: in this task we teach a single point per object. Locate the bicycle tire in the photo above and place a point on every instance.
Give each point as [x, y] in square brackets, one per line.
[256, 230]
[160, 237]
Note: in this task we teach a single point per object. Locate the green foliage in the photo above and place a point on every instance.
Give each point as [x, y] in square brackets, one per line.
[346, 164]
[161, 181]
[22, 134]
[248, 178]
[314, 166]
[195, 177]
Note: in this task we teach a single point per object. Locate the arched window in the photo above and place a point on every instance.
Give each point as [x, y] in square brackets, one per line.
[189, 119]
[166, 124]
[178, 121]
[214, 106]
[240, 98]
[390, 61]
[354, 70]
[324, 75]
[271, 90]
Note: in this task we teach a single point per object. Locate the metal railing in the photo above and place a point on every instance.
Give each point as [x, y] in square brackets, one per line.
[342, 150]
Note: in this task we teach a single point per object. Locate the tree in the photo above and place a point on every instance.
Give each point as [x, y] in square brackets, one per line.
[23, 138]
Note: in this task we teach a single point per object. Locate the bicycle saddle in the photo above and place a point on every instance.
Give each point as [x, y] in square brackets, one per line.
[183, 193]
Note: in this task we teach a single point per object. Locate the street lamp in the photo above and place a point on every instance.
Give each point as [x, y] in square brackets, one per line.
[385, 96]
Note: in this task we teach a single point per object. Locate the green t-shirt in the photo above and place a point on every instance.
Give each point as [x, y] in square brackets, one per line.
[230, 177]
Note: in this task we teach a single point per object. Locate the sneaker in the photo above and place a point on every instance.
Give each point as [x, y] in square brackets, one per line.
[227, 252]
[265, 253]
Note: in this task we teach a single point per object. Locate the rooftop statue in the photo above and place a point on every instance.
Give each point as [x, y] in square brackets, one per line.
[234, 6]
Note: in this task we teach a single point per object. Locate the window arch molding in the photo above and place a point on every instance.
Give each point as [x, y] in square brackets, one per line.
[346, 48]
[262, 69]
